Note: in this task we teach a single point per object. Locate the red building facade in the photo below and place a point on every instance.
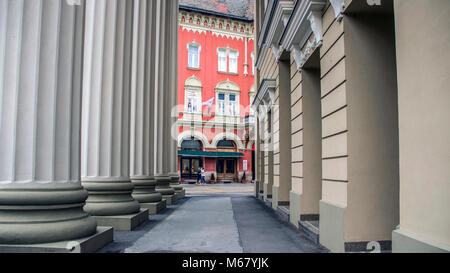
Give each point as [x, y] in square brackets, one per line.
[215, 90]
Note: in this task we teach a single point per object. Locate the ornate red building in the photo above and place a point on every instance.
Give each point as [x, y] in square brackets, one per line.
[215, 89]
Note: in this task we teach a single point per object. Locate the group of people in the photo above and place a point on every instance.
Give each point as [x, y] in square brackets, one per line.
[201, 176]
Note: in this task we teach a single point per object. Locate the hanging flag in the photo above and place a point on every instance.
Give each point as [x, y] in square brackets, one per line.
[209, 102]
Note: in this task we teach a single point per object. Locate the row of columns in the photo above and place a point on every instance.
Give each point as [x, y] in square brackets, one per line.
[86, 93]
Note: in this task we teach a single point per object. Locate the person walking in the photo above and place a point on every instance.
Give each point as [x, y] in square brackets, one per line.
[198, 175]
[203, 181]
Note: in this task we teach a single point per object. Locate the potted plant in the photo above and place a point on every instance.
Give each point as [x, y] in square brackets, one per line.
[243, 178]
[212, 179]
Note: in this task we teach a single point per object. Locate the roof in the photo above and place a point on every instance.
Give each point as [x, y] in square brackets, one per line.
[238, 9]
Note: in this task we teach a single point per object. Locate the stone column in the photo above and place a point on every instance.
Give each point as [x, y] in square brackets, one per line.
[142, 105]
[174, 174]
[41, 198]
[162, 99]
[105, 169]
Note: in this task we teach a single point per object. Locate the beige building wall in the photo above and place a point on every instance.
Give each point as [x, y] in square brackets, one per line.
[334, 133]
[296, 143]
[269, 70]
[423, 65]
[359, 129]
[282, 153]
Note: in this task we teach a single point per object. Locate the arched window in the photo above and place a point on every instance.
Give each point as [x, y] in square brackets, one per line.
[191, 145]
[226, 145]
[192, 95]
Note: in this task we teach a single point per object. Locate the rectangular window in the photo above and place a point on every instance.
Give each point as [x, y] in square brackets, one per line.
[193, 56]
[232, 105]
[233, 62]
[222, 60]
[221, 103]
[192, 101]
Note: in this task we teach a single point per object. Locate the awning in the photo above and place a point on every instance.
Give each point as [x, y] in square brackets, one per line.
[209, 154]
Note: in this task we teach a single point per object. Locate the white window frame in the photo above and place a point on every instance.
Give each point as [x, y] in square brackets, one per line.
[196, 96]
[230, 108]
[199, 50]
[222, 60]
[233, 57]
[221, 104]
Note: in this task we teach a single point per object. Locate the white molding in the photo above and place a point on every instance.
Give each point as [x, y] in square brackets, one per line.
[265, 95]
[193, 82]
[315, 20]
[298, 55]
[306, 20]
[338, 7]
[280, 17]
[228, 136]
[201, 28]
[210, 123]
[196, 134]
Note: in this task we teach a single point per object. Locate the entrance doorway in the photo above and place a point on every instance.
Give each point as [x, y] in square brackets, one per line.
[189, 167]
[226, 169]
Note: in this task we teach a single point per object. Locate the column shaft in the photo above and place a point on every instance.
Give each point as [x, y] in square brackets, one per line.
[106, 107]
[143, 103]
[162, 107]
[41, 198]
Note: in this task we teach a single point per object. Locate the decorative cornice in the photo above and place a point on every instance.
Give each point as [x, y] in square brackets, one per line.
[265, 95]
[220, 27]
[305, 20]
[280, 18]
[298, 55]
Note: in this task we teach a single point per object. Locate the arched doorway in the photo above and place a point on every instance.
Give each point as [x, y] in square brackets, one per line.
[226, 167]
[190, 165]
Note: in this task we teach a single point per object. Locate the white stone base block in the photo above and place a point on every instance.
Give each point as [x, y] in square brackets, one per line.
[91, 244]
[406, 242]
[180, 194]
[154, 208]
[123, 222]
[170, 199]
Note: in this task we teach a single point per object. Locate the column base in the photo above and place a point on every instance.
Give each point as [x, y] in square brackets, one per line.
[256, 189]
[90, 244]
[295, 202]
[180, 194]
[123, 222]
[407, 242]
[331, 226]
[155, 207]
[170, 199]
[274, 197]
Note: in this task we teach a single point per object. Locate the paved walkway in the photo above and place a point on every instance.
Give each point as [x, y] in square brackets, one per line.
[223, 222]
